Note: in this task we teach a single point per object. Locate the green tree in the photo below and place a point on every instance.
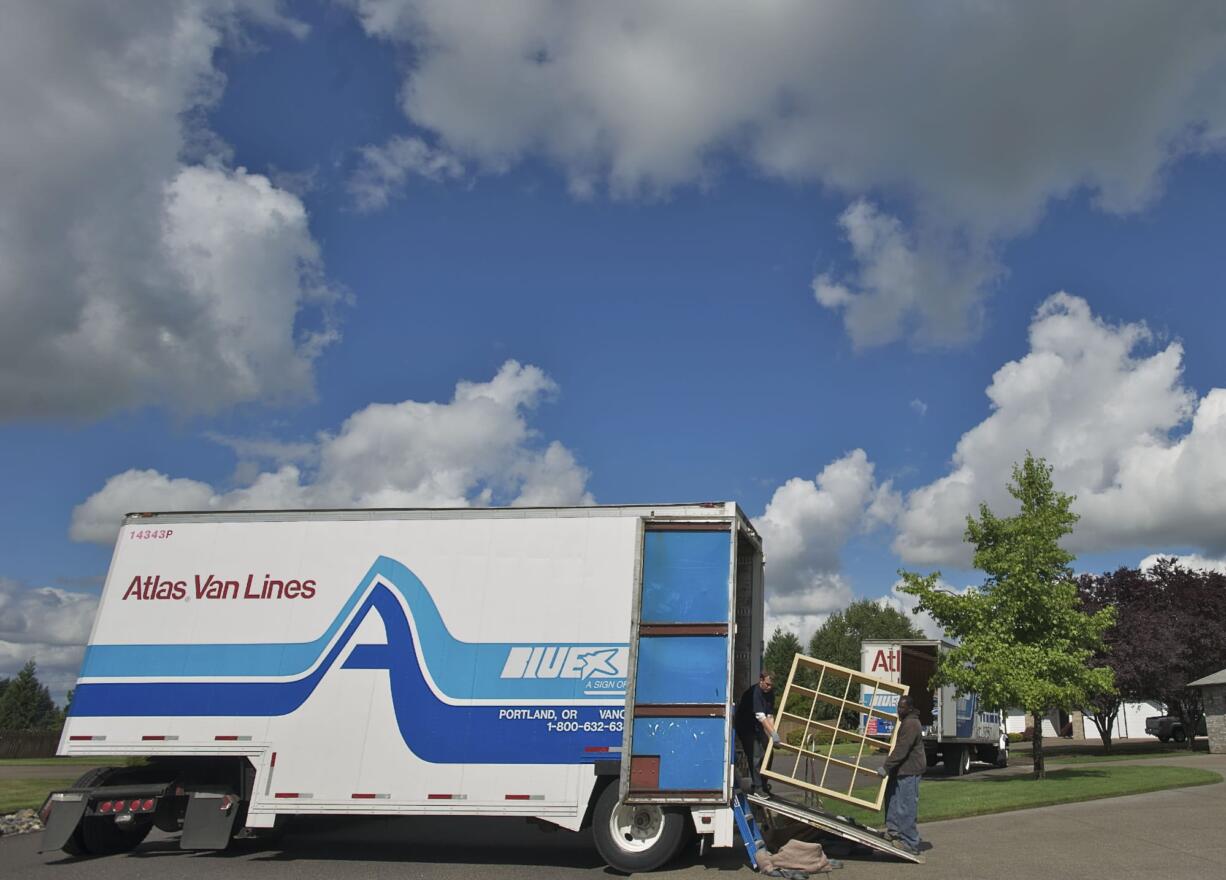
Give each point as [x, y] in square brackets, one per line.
[27, 704]
[780, 650]
[1023, 640]
[838, 639]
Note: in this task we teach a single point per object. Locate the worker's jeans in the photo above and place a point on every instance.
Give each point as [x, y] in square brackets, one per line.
[754, 747]
[901, 806]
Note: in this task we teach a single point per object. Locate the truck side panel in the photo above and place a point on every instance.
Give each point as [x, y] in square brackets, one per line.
[402, 665]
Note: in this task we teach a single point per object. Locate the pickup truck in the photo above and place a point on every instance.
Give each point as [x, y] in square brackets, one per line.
[1170, 727]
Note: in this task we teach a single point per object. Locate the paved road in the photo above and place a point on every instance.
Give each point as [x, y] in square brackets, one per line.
[1163, 834]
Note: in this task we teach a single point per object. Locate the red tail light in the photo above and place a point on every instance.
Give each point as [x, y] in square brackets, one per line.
[119, 805]
[147, 805]
[105, 807]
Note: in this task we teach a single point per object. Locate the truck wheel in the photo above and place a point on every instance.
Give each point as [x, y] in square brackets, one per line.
[635, 837]
[957, 760]
[103, 837]
[1179, 735]
[1164, 739]
[75, 845]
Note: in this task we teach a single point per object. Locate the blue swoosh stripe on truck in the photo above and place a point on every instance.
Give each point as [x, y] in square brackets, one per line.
[461, 670]
[433, 730]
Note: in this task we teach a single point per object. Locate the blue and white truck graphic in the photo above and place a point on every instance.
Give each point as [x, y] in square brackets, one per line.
[572, 665]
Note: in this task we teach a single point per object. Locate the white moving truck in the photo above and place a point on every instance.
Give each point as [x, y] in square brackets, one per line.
[570, 665]
[957, 730]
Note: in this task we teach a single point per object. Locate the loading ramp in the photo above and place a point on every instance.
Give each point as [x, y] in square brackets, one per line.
[830, 823]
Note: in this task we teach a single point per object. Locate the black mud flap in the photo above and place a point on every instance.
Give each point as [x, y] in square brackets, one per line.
[209, 821]
[67, 808]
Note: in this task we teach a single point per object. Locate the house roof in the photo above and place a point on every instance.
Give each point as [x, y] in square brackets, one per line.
[1218, 677]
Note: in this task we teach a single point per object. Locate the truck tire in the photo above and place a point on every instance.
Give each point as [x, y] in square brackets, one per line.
[636, 837]
[957, 760]
[1179, 735]
[102, 836]
[1163, 738]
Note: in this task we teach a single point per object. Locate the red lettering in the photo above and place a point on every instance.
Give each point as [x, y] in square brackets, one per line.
[885, 660]
[210, 586]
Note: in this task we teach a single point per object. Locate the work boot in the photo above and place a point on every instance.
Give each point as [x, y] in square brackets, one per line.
[900, 844]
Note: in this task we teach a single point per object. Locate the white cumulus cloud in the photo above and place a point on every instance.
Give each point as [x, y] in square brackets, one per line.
[971, 117]
[1108, 409]
[136, 266]
[929, 290]
[47, 625]
[382, 172]
[1193, 561]
[476, 449]
[804, 528]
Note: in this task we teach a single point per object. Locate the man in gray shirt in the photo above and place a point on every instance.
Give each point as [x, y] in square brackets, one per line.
[904, 767]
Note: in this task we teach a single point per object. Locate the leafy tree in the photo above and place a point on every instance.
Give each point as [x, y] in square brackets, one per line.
[838, 639]
[1022, 638]
[1135, 647]
[1167, 632]
[777, 660]
[4, 683]
[1192, 614]
[1169, 627]
[27, 704]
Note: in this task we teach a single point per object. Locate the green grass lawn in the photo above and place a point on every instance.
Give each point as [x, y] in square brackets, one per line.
[74, 761]
[1121, 753]
[958, 798]
[17, 794]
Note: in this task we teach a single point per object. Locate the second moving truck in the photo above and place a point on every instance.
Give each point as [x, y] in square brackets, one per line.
[956, 728]
[567, 665]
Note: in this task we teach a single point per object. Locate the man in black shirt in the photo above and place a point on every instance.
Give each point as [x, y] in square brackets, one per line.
[754, 721]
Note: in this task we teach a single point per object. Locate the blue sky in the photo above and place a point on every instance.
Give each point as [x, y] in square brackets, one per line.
[639, 260]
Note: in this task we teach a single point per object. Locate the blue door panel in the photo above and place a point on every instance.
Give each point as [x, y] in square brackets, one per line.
[682, 669]
[691, 750]
[685, 577]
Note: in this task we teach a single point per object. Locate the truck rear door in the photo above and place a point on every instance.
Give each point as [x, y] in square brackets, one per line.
[681, 659]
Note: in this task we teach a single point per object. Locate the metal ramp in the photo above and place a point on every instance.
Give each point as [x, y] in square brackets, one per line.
[840, 826]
